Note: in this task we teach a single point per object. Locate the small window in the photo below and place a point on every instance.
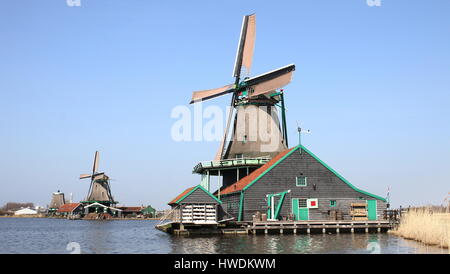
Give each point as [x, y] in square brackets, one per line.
[302, 203]
[333, 203]
[238, 156]
[301, 181]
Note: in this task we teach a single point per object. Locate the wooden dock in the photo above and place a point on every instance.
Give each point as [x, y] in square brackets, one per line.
[308, 227]
[285, 227]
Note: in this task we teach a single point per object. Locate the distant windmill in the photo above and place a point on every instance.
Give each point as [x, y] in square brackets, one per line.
[257, 95]
[56, 202]
[99, 189]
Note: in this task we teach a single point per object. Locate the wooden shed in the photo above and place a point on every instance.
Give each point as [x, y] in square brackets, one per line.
[196, 206]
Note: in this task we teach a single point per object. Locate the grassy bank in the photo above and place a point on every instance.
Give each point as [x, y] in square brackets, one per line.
[427, 225]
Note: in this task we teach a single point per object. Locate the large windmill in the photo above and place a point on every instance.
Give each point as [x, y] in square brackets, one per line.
[256, 129]
[256, 134]
[99, 189]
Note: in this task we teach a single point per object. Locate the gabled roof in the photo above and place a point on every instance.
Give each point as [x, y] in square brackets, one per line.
[253, 177]
[188, 192]
[242, 183]
[174, 201]
[68, 207]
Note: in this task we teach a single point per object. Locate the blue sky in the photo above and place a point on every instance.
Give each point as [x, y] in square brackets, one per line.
[372, 83]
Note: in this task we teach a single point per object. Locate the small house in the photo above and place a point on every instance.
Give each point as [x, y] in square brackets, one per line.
[70, 210]
[25, 211]
[149, 212]
[196, 205]
[131, 211]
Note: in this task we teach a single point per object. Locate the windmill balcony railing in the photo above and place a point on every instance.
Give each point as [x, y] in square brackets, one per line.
[248, 161]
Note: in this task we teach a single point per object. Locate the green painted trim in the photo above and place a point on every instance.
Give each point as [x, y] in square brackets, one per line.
[270, 168]
[301, 184]
[283, 116]
[340, 177]
[192, 190]
[320, 161]
[241, 205]
[280, 203]
[333, 203]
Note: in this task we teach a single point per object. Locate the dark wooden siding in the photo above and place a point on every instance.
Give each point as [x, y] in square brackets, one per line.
[327, 187]
[199, 196]
[230, 203]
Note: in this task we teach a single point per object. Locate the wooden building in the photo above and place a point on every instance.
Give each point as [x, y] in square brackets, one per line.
[149, 212]
[196, 206]
[131, 211]
[297, 185]
[70, 210]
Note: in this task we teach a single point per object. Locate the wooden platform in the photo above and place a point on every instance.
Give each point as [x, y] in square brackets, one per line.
[298, 227]
[284, 227]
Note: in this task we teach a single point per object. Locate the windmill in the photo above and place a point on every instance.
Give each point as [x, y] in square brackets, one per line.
[99, 189]
[56, 202]
[253, 101]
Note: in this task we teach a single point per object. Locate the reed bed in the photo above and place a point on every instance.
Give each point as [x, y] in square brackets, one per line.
[429, 225]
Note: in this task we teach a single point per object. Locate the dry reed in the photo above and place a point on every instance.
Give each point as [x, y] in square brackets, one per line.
[426, 225]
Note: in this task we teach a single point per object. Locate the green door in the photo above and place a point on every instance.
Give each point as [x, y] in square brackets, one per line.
[300, 213]
[372, 210]
[295, 208]
[303, 213]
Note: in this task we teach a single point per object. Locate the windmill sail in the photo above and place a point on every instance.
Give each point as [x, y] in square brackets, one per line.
[244, 55]
[84, 176]
[211, 93]
[95, 166]
[270, 81]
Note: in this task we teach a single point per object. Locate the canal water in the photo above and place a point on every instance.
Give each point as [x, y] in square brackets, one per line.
[29, 235]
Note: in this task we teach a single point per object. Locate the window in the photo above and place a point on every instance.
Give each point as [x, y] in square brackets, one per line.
[333, 203]
[239, 156]
[302, 203]
[301, 181]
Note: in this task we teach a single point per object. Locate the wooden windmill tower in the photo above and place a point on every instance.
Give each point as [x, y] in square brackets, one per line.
[56, 202]
[256, 134]
[99, 189]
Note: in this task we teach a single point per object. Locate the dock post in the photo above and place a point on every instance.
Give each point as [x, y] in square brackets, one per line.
[308, 230]
[323, 230]
[379, 229]
[352, 230]
[266, 231]
[281, 231]
[367, 230]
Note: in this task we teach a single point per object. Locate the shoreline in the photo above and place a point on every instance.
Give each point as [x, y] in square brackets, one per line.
[46, 217]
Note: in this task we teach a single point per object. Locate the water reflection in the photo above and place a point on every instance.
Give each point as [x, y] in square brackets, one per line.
[119, 236]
